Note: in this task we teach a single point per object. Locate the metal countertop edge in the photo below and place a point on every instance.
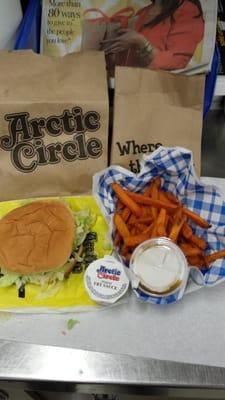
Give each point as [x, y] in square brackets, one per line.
[32, 362]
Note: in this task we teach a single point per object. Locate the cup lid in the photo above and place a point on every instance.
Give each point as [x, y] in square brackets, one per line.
[105, 280]
[159, 267]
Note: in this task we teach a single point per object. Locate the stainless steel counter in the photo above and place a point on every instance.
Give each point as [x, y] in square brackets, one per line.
[37, 367]
[190, 331]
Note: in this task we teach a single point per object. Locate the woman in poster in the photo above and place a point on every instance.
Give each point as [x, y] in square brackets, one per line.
[165, 36]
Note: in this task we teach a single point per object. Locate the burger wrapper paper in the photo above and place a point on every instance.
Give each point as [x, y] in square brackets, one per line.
[175, 167]
[71, 294]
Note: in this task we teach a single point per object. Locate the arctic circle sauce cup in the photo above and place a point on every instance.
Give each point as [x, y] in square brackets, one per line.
[106, 280]
[159, 267]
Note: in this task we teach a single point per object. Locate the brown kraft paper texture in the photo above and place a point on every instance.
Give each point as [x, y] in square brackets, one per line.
[53, 123]
[154, 108]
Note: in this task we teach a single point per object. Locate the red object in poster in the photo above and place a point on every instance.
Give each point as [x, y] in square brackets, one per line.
[106, 28]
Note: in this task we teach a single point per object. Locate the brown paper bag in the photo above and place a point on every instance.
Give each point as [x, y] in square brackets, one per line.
[53, 123]
[154, 108]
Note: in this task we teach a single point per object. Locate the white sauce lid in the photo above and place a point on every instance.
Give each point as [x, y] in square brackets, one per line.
[159, 265]
[105, 280]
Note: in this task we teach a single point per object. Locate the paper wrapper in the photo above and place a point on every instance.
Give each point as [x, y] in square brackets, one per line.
[72, 295]
[175, 167]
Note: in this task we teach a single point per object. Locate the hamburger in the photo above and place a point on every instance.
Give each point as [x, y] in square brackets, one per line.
[40, 243]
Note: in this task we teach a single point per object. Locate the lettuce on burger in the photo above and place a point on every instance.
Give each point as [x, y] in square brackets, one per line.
[40, 241]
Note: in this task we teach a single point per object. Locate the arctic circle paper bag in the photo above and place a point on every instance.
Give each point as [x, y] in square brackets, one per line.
[53, 123]
[152, 109]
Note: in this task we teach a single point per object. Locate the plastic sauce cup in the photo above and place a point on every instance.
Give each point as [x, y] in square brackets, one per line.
[105, 280]
[159, 267]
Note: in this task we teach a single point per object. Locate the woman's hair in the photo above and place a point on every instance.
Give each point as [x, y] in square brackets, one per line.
[169, 7]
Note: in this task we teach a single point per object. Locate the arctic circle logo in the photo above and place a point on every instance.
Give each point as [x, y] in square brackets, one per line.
[107, 273]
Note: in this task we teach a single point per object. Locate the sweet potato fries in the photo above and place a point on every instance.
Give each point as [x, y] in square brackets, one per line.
[156, 213]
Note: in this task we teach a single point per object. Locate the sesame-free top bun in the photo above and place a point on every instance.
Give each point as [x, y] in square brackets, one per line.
[36, 237]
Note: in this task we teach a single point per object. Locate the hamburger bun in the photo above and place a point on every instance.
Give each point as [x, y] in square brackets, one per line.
[36, 237]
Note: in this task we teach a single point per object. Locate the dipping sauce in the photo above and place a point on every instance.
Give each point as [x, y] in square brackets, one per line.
[105, 280]
[159, 265]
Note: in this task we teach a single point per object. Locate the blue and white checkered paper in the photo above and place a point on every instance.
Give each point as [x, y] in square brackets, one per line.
[175, 167]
